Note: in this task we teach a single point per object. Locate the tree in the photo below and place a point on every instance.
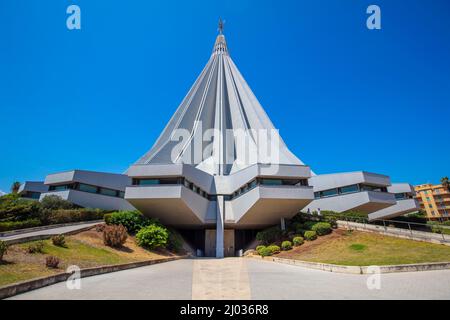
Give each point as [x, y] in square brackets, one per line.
[15, 187]
[445, 183]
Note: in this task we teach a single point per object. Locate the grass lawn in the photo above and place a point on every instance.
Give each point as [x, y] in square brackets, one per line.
[85, 250]
[363, 249]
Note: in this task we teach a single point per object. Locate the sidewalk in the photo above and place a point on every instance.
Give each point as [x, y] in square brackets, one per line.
[50, 231]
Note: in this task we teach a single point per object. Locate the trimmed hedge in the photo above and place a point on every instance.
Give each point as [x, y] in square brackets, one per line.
[264, 252]
[310, 235]
[15, 225]
[274, 249]
[286, 245]
[321, 228]
[298, 241]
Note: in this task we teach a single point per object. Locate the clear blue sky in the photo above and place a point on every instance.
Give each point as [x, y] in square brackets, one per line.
[344, 98]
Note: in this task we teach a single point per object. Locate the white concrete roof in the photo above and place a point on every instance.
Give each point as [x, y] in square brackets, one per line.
[219, 99]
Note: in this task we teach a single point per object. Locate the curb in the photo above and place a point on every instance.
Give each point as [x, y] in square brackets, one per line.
[25, 286]
[47, 227]
[359, 269]
[47, 236]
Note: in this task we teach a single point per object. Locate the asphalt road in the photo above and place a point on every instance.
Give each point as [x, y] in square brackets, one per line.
[242, 278]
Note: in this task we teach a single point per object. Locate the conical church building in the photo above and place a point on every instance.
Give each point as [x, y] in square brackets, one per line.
[219, 169]
[219, 172]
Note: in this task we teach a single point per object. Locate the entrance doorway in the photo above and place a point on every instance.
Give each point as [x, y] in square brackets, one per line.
[228, 243]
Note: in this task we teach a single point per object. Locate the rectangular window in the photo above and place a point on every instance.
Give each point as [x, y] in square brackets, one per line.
[316, 195]
[108, 192]
[60, 187]
[329, 193]
[349, 189]
[400, 196]
[252, 184]
[271, 182]
[147, 182]
[87, 188]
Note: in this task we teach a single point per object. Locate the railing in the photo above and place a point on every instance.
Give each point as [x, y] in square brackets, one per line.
[411, 226]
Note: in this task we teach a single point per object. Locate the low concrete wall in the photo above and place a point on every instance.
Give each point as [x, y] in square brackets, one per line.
[47, 227]
[25, 286]
[358, 269]
[397, 232]
[46, 236]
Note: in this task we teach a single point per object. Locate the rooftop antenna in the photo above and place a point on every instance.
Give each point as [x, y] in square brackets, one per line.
[221, 25]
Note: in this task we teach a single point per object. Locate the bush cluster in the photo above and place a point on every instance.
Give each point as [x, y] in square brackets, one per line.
[36, 247]
[17, 213]
[52, 262]
[59, 240]
[132, 220]
[115, 236]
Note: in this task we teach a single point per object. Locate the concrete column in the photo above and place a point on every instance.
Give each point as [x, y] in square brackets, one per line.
[220, 226]
[283, 224]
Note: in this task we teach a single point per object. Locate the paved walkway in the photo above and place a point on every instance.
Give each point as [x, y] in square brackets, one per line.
[241, 278]
[52, 231]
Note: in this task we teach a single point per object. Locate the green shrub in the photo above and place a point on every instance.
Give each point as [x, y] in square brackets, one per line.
[309, 224]
[264, 252]
[59, 216]
[36, 247]
[3, 249]
[269, 235]
[52, 262]
[115, 236]
[321, 228]
[286, 245]
[274, 249]
[152, 236]
[259, 248]
[298, 241]
[59, 240]
[54, 202]
[15, 225]
[107, 218]
[132, 220]
[14, 208]
[310, 235]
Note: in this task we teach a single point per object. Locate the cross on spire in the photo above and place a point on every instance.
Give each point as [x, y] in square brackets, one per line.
[221, 25]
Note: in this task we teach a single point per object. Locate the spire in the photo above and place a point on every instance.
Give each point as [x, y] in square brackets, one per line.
[220, 46]
[220, 99]
[221, 25]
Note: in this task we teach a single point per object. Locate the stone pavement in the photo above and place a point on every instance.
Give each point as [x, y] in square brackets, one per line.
[242, 278]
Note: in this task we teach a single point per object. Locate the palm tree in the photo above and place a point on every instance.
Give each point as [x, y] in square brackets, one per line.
[15, 187]
[445, 183]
